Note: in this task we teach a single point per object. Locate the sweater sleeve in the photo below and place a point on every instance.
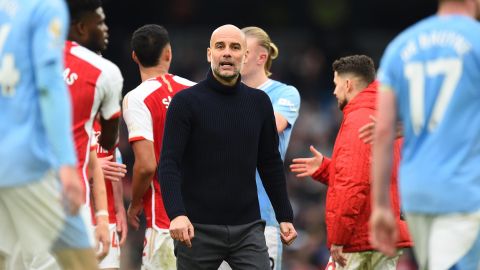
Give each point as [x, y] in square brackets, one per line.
[270, 168]
[175, 138]
[352, 179]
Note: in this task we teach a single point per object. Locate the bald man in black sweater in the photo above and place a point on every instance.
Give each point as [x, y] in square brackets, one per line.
[216, 134]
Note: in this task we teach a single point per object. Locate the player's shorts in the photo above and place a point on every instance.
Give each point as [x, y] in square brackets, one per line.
[275, 249]
[158, 250]
[112, 260]
[366, 260]
[33, 217]
[444, 241]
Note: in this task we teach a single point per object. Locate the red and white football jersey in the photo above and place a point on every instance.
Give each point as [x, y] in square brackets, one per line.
[144, 112]
[95, 86]
[101, 152]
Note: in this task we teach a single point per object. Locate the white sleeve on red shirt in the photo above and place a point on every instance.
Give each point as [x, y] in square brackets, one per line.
[109, 88]
[136, 114]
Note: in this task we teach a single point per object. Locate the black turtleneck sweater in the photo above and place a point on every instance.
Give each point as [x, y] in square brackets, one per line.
[215, 137]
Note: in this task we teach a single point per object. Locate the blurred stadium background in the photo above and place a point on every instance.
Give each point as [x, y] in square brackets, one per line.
[310, 35]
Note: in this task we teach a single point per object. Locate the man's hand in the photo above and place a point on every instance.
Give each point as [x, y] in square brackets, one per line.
[72, 189]
[307, 166]
[288, 234]
[365, 133]
[337, 255]
[102, 236]
[133, 213]
[383, 230]
[112, 171]
[122, 228]
[181, 229]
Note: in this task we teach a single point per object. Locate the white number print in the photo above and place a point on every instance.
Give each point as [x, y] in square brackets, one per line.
[416, 73]
[9, 75]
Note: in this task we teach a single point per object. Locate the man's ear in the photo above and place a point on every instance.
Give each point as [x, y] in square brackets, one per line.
[80, 28]
[262, 58]
[209, 55]
[134, 57]
[167, 53]
[349, 85]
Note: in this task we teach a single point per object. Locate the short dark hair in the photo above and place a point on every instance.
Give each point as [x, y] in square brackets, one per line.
[78, 8]
[148, 42]
[360, 65]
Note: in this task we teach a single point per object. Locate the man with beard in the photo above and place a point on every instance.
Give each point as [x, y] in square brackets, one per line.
[347, 173]
[216, 134]
[429, 79]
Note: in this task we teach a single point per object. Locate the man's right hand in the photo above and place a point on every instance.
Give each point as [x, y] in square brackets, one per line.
[72, 189]
[112, 170]
[181, 229]
[304, 167]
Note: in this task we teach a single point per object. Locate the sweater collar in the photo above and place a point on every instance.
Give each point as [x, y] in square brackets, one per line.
[219, 87]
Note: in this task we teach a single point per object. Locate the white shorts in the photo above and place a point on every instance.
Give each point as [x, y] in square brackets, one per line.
[33, 218]
[112, 260]
[366, 260]
[442, 241]
[275, 248]
[158, 250]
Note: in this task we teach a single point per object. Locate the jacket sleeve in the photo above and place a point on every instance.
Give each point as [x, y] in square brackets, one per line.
[323, 172]
[352, 178]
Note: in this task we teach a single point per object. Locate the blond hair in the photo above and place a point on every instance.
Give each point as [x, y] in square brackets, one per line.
[264, 41]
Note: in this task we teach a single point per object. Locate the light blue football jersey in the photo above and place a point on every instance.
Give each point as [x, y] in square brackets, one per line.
[286, 101]
[434, 69]
[35, 117]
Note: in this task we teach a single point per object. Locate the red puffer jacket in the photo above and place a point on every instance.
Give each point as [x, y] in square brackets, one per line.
[347, 175]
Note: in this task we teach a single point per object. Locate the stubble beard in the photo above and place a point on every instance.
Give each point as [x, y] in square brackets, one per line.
[227, 78]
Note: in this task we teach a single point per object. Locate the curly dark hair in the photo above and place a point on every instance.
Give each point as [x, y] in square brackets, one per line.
[360, 65]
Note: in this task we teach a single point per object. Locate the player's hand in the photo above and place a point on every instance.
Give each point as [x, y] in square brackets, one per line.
[112, 170]
[365, 133]
[383, 230]
[102, 237]
[133, 213]
[181, 229]
[122, 228]
[288, 234]
[304, 167]
[72, 189]
[337, 255]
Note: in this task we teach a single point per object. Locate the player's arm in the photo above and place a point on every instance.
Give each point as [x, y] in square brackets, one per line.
[143, 172]
[102, 233]
[110, 84]
[109, 136]
[48, 39]
[140, 134]
[121, 214]
[384, 230]
[286, 108]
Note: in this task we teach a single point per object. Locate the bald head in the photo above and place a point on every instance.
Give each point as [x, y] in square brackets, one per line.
[228, 31]
[227, 52]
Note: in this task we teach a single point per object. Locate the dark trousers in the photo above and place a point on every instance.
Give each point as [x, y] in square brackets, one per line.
[242, 246]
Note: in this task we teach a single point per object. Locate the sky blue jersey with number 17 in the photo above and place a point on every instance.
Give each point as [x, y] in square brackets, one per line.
[35, 114]
[434, 70]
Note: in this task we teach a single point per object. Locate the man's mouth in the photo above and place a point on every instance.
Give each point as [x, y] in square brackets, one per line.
[226, 64]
